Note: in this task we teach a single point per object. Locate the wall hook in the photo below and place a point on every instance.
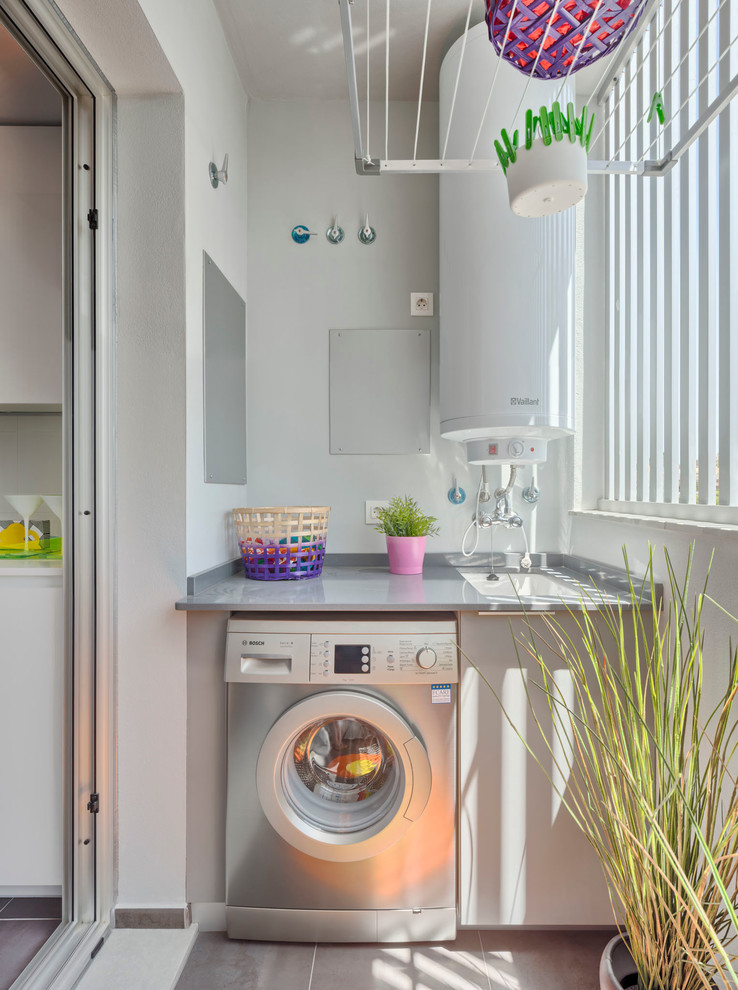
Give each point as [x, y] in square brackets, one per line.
[218, 175]
[335, 234]
[301, 234]
[367, 234]
[456, 495]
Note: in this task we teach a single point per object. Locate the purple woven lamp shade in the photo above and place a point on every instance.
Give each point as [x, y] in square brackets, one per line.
[604, 23]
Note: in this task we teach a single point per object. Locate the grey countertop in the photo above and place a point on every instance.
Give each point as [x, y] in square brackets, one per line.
[355, 585]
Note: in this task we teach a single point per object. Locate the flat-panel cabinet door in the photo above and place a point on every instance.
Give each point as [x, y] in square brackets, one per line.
[522, 860]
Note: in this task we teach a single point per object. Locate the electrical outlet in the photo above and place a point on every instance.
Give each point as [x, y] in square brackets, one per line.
[421, 304]
[371, 514]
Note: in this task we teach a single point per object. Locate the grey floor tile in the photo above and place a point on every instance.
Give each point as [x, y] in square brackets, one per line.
[435, 966]
[556, 960]
[19, 943]
[219, 963]
[21, 908]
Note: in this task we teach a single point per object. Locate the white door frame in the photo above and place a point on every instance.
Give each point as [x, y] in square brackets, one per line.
[89, 534]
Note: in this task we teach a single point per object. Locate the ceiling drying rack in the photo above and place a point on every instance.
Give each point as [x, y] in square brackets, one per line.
[697, 84]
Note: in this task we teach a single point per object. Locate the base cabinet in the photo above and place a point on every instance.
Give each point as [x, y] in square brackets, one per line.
[31, 710]
[522, 861]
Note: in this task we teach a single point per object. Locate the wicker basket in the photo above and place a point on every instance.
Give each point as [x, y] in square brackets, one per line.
[282, 543]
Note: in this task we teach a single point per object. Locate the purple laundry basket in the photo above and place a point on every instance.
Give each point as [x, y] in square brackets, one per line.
[602, 23]
[282, 543]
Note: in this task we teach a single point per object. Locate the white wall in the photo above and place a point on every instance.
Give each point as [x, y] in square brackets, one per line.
[31, 270]
[215, 221]
[151, 681]
[30, 456]
[301, 170]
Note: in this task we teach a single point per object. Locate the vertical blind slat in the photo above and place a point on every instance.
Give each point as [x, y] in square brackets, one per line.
[634, 309]
[707, 227]
[689, 282]
[656, 276]
[622, 314]
[642, 350]
[610, 228]
[671, 266]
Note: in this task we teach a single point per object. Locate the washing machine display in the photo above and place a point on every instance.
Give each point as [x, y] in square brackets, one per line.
[353, 658]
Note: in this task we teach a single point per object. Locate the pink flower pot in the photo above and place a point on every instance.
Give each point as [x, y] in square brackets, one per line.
[405, 554]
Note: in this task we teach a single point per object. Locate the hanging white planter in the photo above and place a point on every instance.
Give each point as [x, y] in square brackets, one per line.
[547, 179]
[549, 173]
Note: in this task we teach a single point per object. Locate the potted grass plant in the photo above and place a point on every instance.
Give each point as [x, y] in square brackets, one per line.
[405, 527]
[647, 763]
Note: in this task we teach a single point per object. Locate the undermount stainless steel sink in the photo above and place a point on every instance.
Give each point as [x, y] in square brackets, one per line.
[528, 587]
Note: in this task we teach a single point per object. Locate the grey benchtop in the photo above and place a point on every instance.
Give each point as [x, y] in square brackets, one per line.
[358, 582]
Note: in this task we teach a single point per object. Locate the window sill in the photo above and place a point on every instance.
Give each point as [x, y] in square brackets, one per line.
[658, 522]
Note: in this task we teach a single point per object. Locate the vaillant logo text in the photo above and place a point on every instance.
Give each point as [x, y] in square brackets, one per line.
[516, 400]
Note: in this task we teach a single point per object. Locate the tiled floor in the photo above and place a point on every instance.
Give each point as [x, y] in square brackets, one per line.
[477, 960]
[25, 924]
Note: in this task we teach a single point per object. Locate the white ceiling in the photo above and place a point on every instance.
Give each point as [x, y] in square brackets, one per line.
[26, 95]
[293, 49]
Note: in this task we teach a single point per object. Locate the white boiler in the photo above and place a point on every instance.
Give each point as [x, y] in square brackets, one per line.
[506, 282]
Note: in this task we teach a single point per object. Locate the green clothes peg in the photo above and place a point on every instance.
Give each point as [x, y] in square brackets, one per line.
[657, 107]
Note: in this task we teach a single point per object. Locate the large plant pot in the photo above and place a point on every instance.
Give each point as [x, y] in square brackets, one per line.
[405, 554]
[617, 969]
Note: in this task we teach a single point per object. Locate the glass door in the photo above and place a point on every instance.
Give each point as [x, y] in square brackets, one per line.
[48, 520]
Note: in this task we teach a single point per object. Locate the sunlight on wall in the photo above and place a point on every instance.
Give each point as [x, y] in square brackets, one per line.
[513, 810]
[562, 743]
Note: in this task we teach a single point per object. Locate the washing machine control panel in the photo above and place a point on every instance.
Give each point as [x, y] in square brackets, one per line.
[383, 659]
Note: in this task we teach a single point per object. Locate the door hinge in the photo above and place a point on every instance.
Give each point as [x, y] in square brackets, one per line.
[92, 219]
[93, 805]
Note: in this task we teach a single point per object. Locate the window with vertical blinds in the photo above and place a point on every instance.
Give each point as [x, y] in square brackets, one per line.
[672, 269]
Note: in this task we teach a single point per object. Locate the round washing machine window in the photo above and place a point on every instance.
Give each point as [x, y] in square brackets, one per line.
[342, 776]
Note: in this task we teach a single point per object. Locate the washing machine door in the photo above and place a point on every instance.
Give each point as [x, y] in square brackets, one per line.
[342, 776]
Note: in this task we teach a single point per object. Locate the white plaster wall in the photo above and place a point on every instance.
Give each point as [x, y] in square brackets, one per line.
[31, 270]
[151, 354]
[301, 170]
[215, 221]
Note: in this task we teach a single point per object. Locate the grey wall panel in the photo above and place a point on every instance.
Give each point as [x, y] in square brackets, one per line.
[224, 351]
[380, 391]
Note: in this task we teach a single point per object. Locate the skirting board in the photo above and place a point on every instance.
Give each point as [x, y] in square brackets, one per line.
[50, 890]
[209, 917]
[151, 917]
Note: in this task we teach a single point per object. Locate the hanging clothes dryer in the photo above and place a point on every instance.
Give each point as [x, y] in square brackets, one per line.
[340, 821]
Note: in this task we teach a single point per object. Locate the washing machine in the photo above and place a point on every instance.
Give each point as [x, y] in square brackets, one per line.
[341, 784]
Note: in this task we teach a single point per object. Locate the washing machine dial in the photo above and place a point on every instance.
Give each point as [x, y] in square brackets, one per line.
[426, 658]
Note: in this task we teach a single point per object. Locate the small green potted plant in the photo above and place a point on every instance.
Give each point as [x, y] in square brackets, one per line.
[405, 528]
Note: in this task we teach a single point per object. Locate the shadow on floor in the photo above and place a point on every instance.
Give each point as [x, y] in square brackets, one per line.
[477, 960]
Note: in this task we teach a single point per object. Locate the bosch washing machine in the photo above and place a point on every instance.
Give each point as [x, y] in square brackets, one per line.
[341, 795]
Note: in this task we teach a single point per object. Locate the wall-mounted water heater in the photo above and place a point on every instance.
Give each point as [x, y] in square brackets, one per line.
[506, 283]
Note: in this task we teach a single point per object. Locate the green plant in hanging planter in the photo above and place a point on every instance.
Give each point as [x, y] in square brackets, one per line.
[552, 124]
